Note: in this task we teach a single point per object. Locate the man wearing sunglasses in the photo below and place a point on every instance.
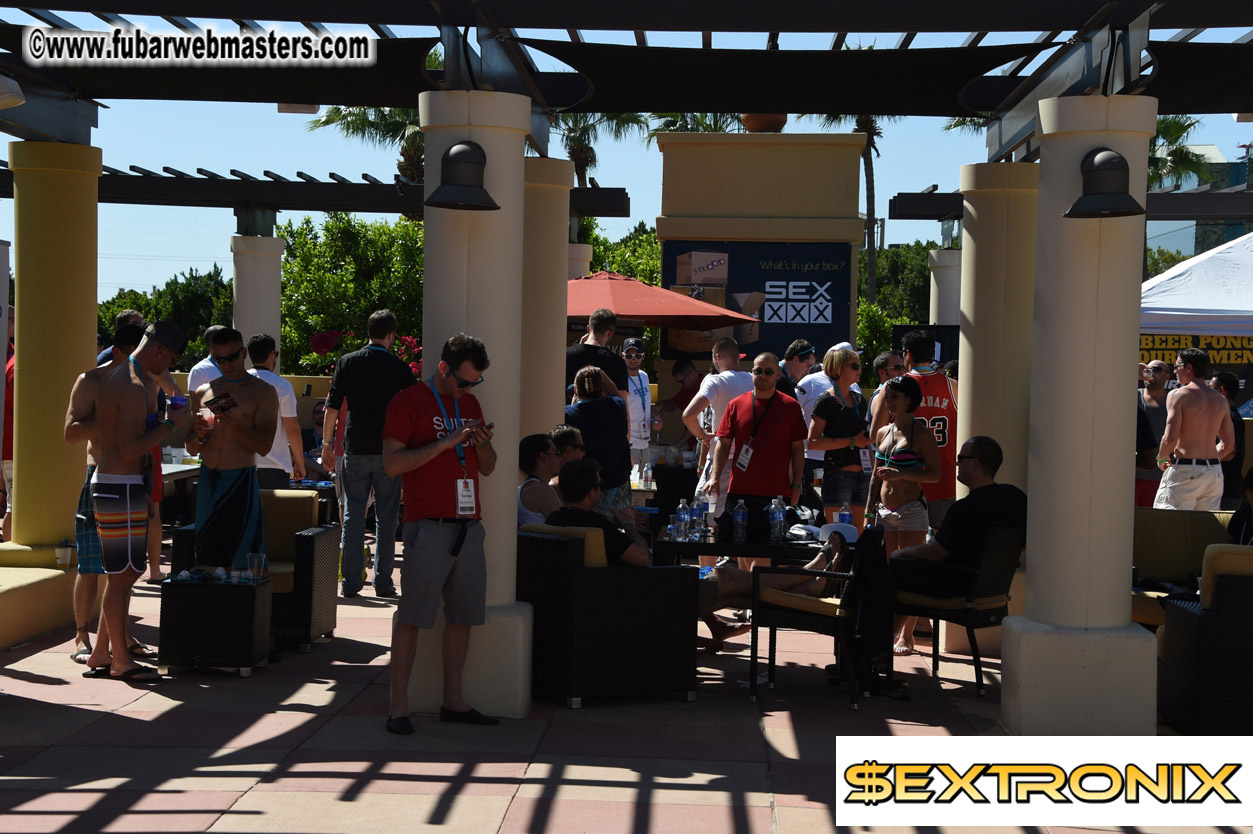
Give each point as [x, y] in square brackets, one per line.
[436, 438]
[368, 378]
[242, 425]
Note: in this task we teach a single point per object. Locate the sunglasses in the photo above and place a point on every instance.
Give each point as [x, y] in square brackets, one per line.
[960, 458]
[854, 366]
[763, 371]
[896, 367]
[578, 446]
[230, 357]
[465, 383]
[633, 356]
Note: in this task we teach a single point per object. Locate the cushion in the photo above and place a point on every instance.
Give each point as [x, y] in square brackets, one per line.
[1146, 608]
[593, 540]
[1219, 559]
[282, 577]
[1169, 544]
[287, 512]
[829, 606]
[954, 603]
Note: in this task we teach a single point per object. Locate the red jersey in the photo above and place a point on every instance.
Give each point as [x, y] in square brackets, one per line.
[414, 418]
[939, 409]
[779, 423]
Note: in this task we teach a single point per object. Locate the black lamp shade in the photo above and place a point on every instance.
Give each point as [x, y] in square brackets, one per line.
[461, 180]
[1106, 179]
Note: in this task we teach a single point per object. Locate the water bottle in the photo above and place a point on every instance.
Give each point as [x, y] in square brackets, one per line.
[699, 509]
[648, 476]
[740, 516]
[685, 521]
[846, 514]
[776, 519]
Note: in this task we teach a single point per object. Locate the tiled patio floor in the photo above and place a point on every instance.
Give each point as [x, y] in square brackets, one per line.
[300, 746]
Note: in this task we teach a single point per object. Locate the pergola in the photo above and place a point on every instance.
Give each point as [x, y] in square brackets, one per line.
[1075, 74]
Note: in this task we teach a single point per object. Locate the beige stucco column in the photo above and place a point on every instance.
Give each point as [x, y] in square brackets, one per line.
[55, 232]
[473, 282]
[946, 282]
[545, 254]
[997, 267]
[580, 260]
[258, 284]
[1075, 664]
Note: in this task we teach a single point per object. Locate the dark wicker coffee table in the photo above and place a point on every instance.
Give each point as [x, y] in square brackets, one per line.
[214, 624]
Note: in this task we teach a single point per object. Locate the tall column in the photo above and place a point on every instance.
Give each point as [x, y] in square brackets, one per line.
[997, 266]
[474, 283]
[258, 284]
[1078, 627]
[55, 230]
[946, 285]
[545, 253]
[580, 260]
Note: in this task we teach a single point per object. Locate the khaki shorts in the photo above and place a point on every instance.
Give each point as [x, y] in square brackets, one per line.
[1193, 486]
[910, 517]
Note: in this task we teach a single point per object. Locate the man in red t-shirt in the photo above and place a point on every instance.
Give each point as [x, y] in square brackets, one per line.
[762, 439]
[435, 437]
[939, 410]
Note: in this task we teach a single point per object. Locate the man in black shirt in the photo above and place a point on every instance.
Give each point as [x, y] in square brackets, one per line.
[593, 351]
[797, 360]
[960, 538]
[368, 378]
[1228, 384]
[579, 485]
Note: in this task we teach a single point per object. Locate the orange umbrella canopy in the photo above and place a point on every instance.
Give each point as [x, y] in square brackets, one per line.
[631, 298]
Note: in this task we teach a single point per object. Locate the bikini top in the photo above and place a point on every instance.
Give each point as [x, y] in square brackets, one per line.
[902, 457]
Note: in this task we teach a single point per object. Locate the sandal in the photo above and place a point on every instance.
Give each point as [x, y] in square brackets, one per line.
[139, 650]
[81, 654]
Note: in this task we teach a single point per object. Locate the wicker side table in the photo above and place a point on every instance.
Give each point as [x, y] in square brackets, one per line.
[215, 624]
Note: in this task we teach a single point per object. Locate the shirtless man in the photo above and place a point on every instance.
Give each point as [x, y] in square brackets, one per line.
[80, 425]
[128, 427]
[229, 523]
[1188, 455]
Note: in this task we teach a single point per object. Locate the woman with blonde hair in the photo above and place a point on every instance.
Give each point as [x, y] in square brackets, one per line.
[838, 428]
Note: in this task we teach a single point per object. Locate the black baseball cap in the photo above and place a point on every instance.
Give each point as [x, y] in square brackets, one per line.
[169, 335]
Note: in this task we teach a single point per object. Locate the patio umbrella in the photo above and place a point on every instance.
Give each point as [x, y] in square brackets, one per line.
[631, 298]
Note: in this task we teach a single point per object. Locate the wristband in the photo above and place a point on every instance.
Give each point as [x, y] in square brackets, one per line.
[797, 486]
[1163, 460]
[481, 445]
[170, 423]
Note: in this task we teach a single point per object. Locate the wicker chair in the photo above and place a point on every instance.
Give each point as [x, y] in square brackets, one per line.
[775, 609]
[985, 602]
[303, 565]
[599, 631]
[1205, 649]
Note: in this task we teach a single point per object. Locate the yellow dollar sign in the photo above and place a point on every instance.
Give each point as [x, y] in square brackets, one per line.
[871, 779]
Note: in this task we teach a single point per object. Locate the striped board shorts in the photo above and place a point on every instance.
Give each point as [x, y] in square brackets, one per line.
[121, 505]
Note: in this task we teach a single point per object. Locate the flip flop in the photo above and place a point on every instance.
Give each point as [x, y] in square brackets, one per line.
[135, 674]
[155, 581]
[138, 649]
[97, 672]
[902, 651]
[80, 656]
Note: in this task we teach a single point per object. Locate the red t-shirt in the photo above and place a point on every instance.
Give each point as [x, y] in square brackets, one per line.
[939, 409]
[779, 425]
[414, 418]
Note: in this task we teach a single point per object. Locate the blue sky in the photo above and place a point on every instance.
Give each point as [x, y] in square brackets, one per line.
[141, 247]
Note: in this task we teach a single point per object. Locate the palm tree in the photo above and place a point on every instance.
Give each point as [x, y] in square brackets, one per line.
[693, 123]
[868, 125]
[580, 131]
[1170, 158]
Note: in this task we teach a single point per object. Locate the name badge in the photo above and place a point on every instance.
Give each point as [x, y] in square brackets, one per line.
[867, 460]
[746, 455]
[465, 496]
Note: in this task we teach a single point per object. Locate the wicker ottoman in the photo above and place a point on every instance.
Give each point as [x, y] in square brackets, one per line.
[215, 624]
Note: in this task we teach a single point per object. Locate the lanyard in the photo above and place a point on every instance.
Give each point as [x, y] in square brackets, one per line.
[461, 455]
[139, 370]
[639, 390]
[763, 414]
[843, 402]
[377, 347]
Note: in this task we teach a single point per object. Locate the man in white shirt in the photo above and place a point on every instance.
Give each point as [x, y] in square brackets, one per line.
[808, 390]
[716, 390]
[206, 370]
[285, 460]
[639, 403]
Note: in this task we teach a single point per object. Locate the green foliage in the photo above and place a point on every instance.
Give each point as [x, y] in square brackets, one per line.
[1170, 158]
[693, 123]
[874, 335]
[336, 275]
[904, 275]
[192, 299]
[1158, 260]
[639, 256]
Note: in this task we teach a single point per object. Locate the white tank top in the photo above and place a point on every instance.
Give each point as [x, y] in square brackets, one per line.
[526, 516]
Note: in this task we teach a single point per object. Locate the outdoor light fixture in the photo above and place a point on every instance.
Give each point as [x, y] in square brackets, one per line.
[461, 180]
[1106, 177]
[11, 94]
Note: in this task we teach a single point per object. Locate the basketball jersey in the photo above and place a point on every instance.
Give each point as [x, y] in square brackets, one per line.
[939, 409]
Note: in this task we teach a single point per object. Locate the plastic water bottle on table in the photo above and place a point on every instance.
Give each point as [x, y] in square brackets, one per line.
[684, 514]
[740, 518]
[777, 514]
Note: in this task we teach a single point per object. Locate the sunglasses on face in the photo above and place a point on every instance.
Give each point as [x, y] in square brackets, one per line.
[896, 367]
[854, 366]
[763, 371]
[465, 383]
[229, 357]
[630, 356]
[960, 458]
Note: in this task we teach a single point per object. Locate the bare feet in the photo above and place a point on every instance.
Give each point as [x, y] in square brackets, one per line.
[82, 646]
[901, 649]
[721, 632]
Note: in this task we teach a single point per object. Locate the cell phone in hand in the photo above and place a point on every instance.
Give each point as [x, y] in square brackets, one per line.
[222, 403]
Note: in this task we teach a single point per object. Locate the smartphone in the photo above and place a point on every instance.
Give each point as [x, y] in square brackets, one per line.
[217, 405]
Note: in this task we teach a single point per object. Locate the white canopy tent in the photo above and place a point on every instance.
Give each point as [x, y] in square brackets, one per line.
[1209, 295]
